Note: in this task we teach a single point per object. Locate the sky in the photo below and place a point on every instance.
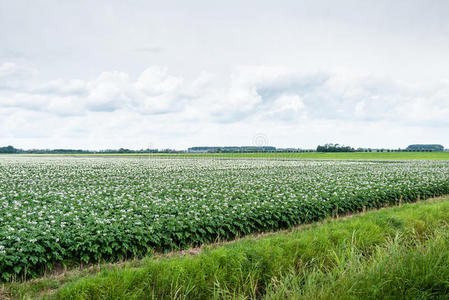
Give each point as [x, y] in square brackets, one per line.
[176, 74]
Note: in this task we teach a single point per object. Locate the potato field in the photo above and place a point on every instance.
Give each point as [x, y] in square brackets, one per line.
[57, 210]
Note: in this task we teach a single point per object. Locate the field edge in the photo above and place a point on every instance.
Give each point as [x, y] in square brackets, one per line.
[73, 281]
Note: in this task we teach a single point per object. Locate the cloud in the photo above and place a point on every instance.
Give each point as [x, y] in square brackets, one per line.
[108, 92]
[288, 107]
[12, 70]
[154, 92]
[13, 76]
[178, 110]
[157, 81]
[62, 87]
[157, 92]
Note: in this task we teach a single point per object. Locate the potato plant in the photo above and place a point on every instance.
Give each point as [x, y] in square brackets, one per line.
[55, 210]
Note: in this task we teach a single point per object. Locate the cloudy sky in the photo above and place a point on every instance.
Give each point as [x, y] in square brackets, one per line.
[138, 74]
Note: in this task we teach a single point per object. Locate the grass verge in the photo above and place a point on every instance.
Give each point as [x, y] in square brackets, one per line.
[399, 252]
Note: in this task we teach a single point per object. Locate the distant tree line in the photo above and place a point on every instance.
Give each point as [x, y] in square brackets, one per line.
[326, 148]
[13, 150]
[334, 148]
[411, 148]
[9, 149]
[124, 150]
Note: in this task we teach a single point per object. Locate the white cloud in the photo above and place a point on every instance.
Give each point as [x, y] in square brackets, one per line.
[12, 70]
[156, 81]
[108, 92]
[62, 87]
[12, 76]
[165, 110]
[288, 107]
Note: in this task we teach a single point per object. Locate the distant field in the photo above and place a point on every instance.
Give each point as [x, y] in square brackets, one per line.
[357, 155]
[311, 155]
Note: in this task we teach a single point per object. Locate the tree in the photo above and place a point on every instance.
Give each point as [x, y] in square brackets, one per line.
[8, 149]
[334, 148]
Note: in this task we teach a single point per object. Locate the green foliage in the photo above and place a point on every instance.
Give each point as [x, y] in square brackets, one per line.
[9, 150]
[395, 253]
[57, 210]
[334, 148]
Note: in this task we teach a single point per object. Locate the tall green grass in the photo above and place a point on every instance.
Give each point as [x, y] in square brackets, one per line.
[400, 252]
[400, 269]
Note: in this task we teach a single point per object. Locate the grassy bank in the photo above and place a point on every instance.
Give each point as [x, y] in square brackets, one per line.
[396, 252]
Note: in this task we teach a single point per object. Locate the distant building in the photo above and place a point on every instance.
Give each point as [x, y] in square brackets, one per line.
[202, 149]
[232, 149]
[425, 147]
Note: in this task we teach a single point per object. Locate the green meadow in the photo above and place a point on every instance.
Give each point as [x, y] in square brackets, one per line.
[285, 155]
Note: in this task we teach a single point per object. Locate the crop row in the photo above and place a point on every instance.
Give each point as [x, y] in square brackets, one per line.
[55, 210]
